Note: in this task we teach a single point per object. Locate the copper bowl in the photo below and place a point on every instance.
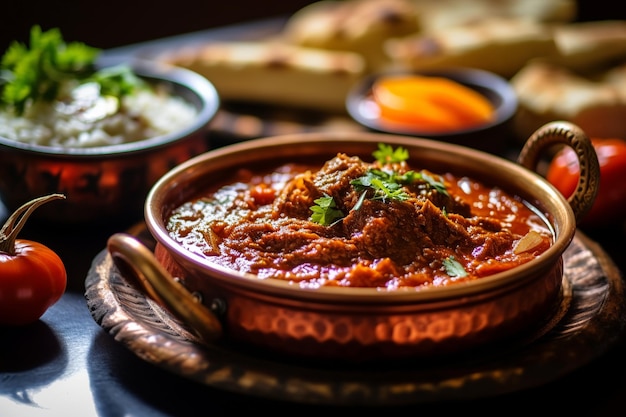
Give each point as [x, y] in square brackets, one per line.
[361, 323]
[107, 182]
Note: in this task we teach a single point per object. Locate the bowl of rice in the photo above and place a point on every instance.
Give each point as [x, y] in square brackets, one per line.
[103, 152]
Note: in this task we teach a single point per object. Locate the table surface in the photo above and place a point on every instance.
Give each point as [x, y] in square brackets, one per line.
[67, 365]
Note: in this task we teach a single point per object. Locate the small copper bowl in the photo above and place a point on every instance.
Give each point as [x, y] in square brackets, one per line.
[107, 182]
[361, 323]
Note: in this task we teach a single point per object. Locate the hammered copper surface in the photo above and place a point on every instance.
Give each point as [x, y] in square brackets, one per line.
[98, 187]
[384, 332]
[370, 331]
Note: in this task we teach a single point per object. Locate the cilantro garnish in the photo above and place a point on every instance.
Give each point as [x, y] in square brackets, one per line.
[37, 71]
[438, 186]
[379, 183]
[385, 154]
[385, 185]
[454, 268]
[325, 212]
[116, 81]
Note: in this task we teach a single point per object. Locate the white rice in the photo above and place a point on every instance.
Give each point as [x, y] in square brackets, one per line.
[89, 120]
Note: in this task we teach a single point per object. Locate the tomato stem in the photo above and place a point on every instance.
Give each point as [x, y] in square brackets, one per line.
[17, 220]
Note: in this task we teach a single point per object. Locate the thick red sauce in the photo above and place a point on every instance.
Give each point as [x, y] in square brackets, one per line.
[261, 224]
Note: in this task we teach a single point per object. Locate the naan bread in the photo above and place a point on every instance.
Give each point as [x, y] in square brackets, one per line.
[360, 26]
[590, 46]
[500, 45]
[274, 73]
[440, 14]
[547, 92]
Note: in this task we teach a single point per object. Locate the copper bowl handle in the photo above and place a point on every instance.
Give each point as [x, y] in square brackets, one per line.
[571, 135]
[136, 261]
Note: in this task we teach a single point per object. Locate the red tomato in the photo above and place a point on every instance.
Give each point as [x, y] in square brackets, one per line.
[32, 276]
[610, 203]
[31, 280]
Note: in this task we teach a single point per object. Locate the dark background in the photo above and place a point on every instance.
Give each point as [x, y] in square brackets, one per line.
[112, 23]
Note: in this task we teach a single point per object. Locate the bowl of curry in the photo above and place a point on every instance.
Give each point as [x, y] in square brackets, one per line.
[360, 246]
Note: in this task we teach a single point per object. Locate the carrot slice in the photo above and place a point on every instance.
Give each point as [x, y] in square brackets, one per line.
[430, 103]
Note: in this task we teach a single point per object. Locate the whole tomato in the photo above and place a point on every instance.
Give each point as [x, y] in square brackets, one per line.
[610, 203]
[32, 276]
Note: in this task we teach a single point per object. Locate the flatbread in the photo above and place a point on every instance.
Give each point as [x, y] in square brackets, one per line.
[360, 26]
[274, 73]
[590, 46]
[440, 14]
[547, 92]
[500, 45]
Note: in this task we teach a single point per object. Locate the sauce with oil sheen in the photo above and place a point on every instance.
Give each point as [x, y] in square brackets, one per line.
[261, 223]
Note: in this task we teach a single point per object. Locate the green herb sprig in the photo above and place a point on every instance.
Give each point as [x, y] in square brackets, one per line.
[117, 81]
[386, 154]
[384, 184]
[325, 212]
[454, 267]
[29, 73]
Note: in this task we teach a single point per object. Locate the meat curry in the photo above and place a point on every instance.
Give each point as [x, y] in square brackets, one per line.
[352, 223]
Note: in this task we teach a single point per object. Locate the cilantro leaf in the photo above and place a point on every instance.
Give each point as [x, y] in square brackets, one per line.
[359, 202]
[387, 155]
[383, 184]
[116, 81]
[438, 186]
[37, 71]
[325, 212]
[454, 268]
